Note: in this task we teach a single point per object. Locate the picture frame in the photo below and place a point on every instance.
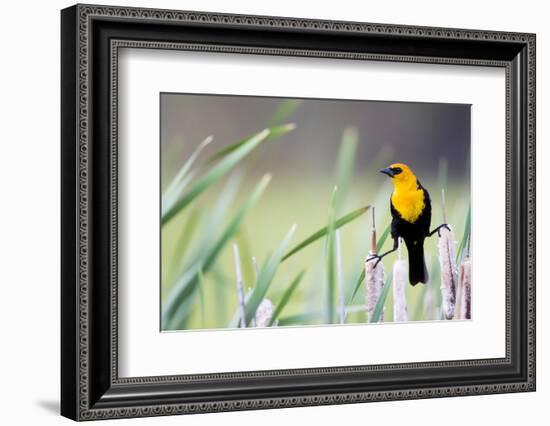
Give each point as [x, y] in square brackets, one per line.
[91, 37]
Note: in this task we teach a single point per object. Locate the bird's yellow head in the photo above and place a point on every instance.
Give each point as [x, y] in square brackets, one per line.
[401, 174]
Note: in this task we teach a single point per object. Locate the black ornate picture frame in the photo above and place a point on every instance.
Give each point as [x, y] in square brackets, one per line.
[90, 385]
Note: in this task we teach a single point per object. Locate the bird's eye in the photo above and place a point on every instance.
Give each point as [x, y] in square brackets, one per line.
[396, 170]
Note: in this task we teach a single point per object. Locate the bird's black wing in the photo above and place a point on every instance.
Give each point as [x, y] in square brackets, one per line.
[425, 218]
[394, 213]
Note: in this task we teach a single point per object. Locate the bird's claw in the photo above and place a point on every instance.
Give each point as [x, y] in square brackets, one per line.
[373, 256]
[446, 226]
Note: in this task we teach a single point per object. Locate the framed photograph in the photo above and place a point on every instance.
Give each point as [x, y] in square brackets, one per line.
[263, 212]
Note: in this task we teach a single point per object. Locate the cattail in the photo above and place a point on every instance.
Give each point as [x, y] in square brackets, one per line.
[374, 277]
[464, 294]
[449, 276]
[240, 288]
[374, 280]
[399, 288]
[264, 313]
[466, 289]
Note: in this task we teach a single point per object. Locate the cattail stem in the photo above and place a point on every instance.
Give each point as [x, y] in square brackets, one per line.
[340, 278]
[399, 287]
[240, 289]
[443, 205]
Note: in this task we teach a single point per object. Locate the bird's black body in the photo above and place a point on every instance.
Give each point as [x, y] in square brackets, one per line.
[414, 234]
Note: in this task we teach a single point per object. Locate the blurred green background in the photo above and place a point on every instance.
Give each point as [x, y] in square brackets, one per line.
[433, 139]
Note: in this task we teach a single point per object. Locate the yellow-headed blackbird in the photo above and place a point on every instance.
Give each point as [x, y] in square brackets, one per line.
[411, 212]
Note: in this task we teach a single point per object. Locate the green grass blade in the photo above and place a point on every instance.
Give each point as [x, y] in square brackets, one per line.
[219, 306]
[169, 198]
[284, 110]
[382, 239]
[352, 309]
[300, 319]
[183, 240]
[247, 266]
[359, 277]
[442, 173]
[274, 132]
[379, 308]
[344, 166]
[215, 218]
[201, 297]
[213, 175]
[265, 277]
[343, 177]
[323, 231]
[181, 314]
[286, 296]
[330, 261]
[184, 171]
[465, 234]
[210, 224]
[358, 284]
[186, 285]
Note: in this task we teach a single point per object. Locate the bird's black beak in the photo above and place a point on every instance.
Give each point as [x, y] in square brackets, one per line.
[388, 171]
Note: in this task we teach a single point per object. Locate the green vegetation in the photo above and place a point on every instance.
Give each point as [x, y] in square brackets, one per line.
[210, 205]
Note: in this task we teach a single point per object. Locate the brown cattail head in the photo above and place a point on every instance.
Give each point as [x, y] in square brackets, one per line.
[449, 276]
[374, 282]
[264, 313]
[400, 288]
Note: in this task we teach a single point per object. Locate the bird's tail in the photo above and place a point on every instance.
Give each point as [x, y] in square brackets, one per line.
[417, 265]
